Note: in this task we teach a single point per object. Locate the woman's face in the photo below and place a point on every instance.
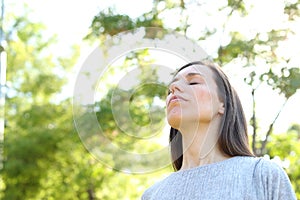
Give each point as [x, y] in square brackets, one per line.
[193, 97]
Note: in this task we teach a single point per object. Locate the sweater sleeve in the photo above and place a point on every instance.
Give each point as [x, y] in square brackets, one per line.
[150, 192]
[274, 182]
[146, 195]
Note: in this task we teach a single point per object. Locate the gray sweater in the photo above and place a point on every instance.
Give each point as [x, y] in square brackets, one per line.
[238, 177]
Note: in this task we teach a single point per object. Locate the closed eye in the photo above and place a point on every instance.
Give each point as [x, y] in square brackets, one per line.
[194, 83]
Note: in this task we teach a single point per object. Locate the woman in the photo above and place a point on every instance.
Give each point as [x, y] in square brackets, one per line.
[209, 144]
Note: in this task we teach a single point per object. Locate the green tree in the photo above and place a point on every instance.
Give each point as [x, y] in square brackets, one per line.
[43, 156]
[286, 146]
[36, 122]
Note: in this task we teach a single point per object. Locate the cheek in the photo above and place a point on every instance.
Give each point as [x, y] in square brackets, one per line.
[203, 97]
[203, 103]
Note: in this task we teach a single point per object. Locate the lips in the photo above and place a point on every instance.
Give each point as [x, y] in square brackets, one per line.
[175, 98]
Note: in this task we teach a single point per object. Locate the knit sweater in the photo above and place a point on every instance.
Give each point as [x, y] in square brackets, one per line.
[238, 177]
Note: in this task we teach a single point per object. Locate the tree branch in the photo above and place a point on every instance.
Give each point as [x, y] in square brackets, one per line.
[254, 123]
[269, 132]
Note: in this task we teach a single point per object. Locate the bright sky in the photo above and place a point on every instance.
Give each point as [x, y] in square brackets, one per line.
[70, 20]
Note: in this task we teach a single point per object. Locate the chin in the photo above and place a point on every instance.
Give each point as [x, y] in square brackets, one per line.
[174, 121]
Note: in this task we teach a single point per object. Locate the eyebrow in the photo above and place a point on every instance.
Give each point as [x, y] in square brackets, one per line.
[191, 74]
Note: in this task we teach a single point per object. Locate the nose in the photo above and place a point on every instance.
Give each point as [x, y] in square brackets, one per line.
[175, 86]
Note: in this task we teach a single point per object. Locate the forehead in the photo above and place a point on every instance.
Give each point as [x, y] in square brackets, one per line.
[197, 69]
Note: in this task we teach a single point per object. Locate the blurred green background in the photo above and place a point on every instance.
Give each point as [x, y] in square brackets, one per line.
[257, 43]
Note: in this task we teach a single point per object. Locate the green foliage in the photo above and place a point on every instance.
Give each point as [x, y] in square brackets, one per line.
[238, 47]
[292, 9]
[44, 157]
[287, 82]
[30, 150]
[109, 23]
[275, 71]
[237, 6]
[138, 105]
[286, 146]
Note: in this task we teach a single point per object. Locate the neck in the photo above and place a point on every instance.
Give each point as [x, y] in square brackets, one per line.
[200, 145]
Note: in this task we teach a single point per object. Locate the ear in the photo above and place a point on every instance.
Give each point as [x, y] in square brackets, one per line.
[221, 108]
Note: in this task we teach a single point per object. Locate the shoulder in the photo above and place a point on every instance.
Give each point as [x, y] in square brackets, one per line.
[268, 180]
[166, 187]
[272, 181]
[148, 193]
[266, 169]
[259, 166]
[243, 164]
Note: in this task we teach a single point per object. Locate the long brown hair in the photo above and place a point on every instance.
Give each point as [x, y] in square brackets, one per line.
[233, 136]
